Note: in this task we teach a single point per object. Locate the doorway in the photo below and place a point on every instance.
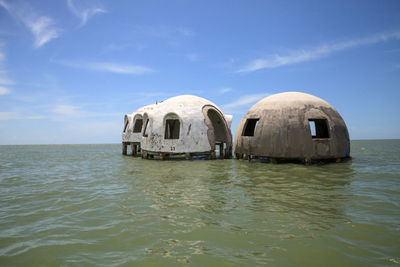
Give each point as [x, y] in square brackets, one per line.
[219, 134]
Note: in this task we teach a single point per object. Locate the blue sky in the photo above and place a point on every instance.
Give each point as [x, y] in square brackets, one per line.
[70, 70]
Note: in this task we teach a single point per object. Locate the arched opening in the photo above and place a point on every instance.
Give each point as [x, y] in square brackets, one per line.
[219, 134]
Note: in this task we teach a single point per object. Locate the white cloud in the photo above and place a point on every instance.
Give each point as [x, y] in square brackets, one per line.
[108, 67]
[274, 61]
[38, 117]
[245, 100]
[12, 115]
[43, 30]
[119, 68]
[163, 31]
[84, 13]
[225, 90]
[185, 31]
[85, 128]
[42, 27]
[4, 90]
[4, 80]
[6, 115]
[5, 5]
[2, 56]
[192, 57]
[66, 110]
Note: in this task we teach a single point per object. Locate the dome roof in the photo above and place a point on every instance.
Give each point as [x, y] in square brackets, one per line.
[289, 99]
[187, 101]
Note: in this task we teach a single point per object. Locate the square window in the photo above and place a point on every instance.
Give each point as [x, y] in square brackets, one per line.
[319, 128]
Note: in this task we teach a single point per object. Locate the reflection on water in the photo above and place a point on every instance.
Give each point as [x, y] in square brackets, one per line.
[81, 205]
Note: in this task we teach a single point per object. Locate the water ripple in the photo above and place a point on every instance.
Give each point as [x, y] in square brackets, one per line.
[88, 205]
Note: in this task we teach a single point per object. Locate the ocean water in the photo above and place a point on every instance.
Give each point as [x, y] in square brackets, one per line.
[83, 205]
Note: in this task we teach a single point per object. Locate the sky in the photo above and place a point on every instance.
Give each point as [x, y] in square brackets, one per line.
[70, 70]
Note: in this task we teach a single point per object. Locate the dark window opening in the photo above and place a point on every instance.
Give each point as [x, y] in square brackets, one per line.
[145, 128]
[126, 126]
[172, 129]
[250, 127]
[319, 128]
[138, 126]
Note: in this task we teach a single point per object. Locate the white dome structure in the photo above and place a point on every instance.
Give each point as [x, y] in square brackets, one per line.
[182, 125]
[292, 126]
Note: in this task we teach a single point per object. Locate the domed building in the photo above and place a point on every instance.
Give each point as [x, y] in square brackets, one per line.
[292, 126]
[183, 125]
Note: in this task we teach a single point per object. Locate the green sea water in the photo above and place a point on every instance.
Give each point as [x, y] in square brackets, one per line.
[87, 205]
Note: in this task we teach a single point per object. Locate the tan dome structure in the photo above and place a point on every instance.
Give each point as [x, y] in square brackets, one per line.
[183, 125]
[292, 126]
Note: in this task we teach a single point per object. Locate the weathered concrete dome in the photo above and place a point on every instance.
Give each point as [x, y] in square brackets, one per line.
[292, 125]
[184, 124]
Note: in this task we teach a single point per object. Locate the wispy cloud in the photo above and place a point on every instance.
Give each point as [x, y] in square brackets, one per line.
[224, 90]
[4, 90]
[13, 115]
[43, 30]
[4, 80]
[42, 27]
[120, 68]
[245, 100]
[66, 110]
[83, 11]
[112, 67]
[185, 31]
[193, 57]
[8, 115]
[153, 94]
[303, 55]
[163, 31]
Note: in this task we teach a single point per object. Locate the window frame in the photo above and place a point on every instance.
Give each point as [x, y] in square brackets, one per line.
[254, 123]
[321, 126]
[141, 126]
[171, 134]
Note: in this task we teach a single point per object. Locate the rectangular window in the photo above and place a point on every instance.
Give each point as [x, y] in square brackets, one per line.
[126, 126]
[172, 128]
[250, 127]
[319, 128]
[145, 128]
[138, 126]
